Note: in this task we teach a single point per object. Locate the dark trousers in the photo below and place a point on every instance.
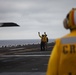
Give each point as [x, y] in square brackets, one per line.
[42, 46]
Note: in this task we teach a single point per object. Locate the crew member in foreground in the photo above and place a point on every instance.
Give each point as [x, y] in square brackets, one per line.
[63, 58]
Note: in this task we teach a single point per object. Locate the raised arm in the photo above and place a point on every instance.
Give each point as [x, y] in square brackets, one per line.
[39, 34]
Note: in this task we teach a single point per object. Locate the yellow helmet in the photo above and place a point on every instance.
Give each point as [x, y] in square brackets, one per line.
[70, 20]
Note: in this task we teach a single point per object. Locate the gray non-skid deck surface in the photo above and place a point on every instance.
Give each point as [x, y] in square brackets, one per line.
[34, 64]
[23, 73]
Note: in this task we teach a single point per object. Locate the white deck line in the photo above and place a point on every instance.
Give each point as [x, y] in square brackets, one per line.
[9, 56]
[16, 49]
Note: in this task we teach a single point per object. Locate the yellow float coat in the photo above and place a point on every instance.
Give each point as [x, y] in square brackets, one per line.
[63, 57]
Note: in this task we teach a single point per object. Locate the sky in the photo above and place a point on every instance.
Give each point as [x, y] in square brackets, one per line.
[34, 16]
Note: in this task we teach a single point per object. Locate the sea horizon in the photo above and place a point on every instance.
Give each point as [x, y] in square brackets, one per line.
[15, 42]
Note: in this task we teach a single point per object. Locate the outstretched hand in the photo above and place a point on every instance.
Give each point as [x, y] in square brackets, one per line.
[39, 33]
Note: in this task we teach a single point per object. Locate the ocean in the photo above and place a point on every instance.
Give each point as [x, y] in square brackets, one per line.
[21, 42]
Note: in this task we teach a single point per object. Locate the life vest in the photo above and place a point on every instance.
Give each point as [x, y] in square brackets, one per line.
[44, 39]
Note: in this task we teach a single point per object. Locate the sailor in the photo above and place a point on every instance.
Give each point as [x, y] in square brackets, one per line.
[62, 61]
[43, 41]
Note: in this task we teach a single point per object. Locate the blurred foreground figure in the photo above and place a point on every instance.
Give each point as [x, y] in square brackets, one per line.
[63, 58]
[8, 24]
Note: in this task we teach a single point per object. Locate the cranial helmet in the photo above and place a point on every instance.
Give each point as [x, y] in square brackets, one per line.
[70, 20]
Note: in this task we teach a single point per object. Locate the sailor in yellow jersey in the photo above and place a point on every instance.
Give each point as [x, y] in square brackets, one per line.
[43, 41]
[46, 40]
[63, 58]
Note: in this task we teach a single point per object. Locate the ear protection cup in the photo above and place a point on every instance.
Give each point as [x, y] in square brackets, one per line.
[65, 23]
[70, 20]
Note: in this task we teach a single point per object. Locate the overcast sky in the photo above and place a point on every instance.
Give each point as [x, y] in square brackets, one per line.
[34, 16]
